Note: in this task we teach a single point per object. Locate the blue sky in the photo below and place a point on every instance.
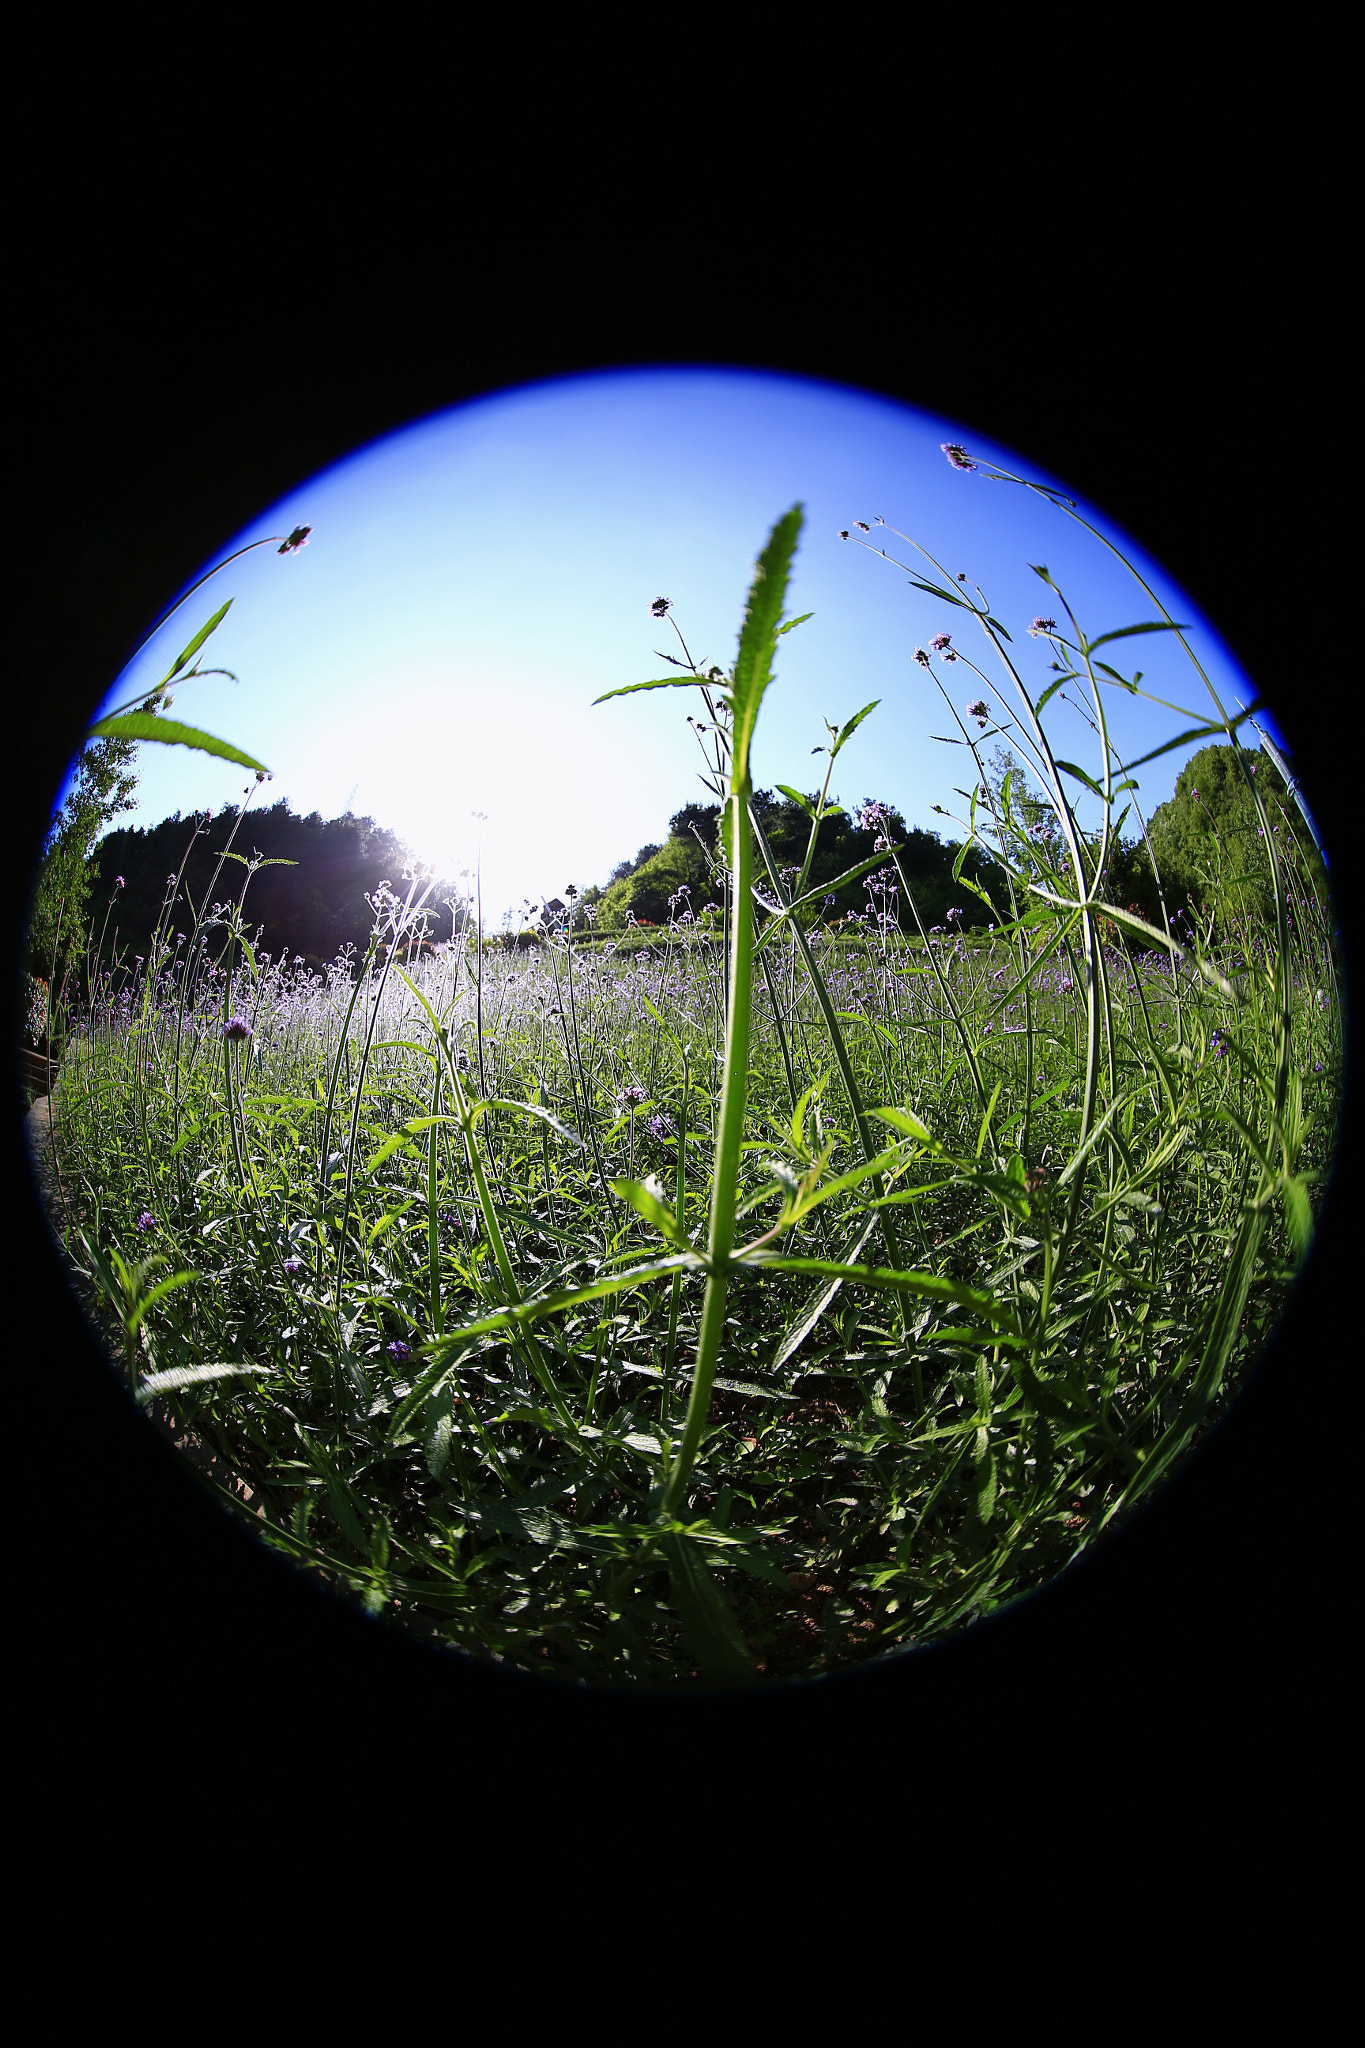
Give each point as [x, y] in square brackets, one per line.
[474, 581]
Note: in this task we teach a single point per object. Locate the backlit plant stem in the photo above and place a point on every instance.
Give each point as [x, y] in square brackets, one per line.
[729, 1137]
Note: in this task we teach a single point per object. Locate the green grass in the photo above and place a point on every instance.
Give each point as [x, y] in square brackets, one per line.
[688, 1314]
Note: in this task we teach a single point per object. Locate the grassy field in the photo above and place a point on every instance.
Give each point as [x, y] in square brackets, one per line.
[697, 1311]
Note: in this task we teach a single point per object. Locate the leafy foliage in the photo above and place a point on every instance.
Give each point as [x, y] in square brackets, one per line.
[315, 906]
[58, 924]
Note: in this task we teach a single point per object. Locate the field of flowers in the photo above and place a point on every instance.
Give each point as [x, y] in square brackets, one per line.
[708, 1307]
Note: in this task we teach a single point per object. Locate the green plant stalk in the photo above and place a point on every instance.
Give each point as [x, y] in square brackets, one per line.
[433, 1233]
[323, 1179]
[675, 1296]
[725, 1178]
[869, 1143]
[483, 1193]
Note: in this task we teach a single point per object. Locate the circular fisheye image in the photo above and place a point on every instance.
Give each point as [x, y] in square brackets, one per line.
[683, 1028]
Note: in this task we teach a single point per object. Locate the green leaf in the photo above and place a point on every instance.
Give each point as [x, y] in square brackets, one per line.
[712, 1632]
[986, 1119]
[848, 730]
[527, 1109]
[1297, 1215]
[660, 683]
[143, 725]
[386, 1151]
[1182, 739]
[192, 1376]
[930, 1284]
[1070, 768]
[758, 635]
[985, 1479]
[646, 1198]
[1127, 632]
[798, 1125]
[792, 624]
[798, 1331]
[189, 652]
[162, 1288]
[903, 1120]
[819, 889]
[795, 796]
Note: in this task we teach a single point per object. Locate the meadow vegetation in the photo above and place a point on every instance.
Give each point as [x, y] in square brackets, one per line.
[745, 1294]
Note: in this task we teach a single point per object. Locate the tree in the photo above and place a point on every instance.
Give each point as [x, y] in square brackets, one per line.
[312, 903]
[1208, 839]
[647, 888]
[103, 788]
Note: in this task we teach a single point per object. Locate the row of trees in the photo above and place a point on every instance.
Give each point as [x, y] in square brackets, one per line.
[1207, 841]
[685, 871]
[308, 895]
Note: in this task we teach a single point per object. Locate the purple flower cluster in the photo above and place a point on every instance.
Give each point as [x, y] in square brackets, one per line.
[957, 455]
[236, 1030]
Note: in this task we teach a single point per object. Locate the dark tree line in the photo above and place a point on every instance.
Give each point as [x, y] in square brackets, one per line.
[685, 871]
[312, 908]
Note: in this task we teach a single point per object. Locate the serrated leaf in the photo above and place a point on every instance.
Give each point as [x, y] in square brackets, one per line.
[1070, 768]
[659, 683]
[192, 1376]
[795, 796]
[189, 652]
[903, 1120]
[758, 635]
[143, 725]
[851, 727]
[647, 1199]
[1127, 632]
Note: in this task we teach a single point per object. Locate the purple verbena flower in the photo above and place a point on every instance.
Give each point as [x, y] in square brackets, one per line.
[297, 539]
[940, 641]
[1041, 626]
[146, 1221]
[293, 1265]
[398, 1350]
[957, 455]
[237, 1029]
[921, 657]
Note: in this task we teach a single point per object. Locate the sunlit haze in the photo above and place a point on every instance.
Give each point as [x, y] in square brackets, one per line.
[473, 582]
